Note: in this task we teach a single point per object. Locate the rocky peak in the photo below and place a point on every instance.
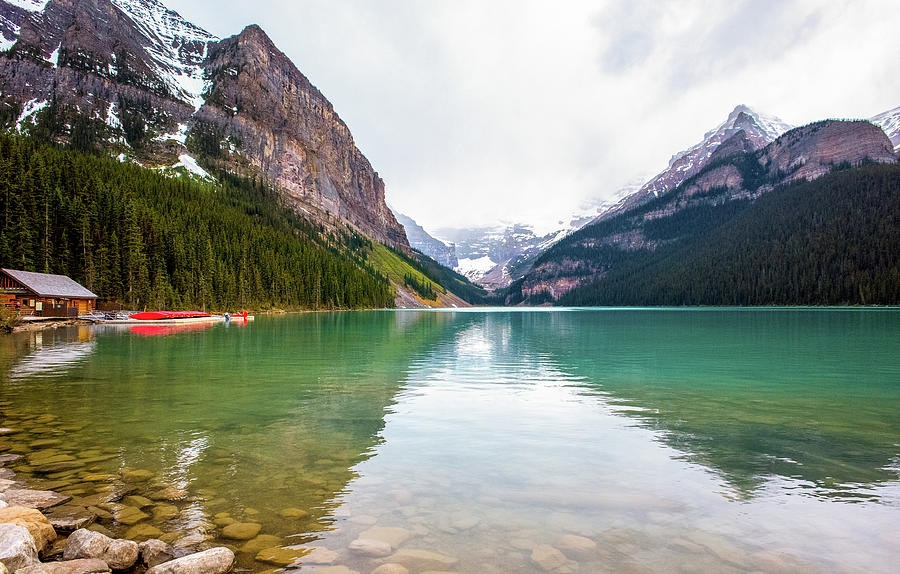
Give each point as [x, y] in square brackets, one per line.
[758, 129]
[737, 143]
[290, 133]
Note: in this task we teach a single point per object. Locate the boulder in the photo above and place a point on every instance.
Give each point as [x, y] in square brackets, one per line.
[371, 548]
[191, 539]
[69, 518]
[319, 555]
[155, 552]
[17, 548]
[576, 546]
[241, 530]
[162, 512]
[212, 561]
[280, 556]
[32, 520]
[7, 458]
[261, 542]
[101, 529]
[168, 494]
[547, 557]
[390, 569]
[40, 499]
[393, 535]
[119, 554]
[137, 501]
[129, 515]
[419, 560]
[83, 566]
[138, 475]
[143, 531]
[293, 513]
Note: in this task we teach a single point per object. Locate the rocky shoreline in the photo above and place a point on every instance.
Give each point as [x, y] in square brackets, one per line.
[41, 532]
[28, 326]
[60, 513]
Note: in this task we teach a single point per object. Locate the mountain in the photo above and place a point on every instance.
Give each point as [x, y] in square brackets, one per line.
[829, 241]
[734, 179]
[420, 239]
[145, 240]
[136, 80]
[493, 256]
[758, 131]
[890, 122]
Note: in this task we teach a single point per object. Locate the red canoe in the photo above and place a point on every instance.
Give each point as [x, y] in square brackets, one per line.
[163, 315]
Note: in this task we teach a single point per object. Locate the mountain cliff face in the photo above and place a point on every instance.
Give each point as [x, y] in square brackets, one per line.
[814, 150]
[133, 78]
[732, 179]
[421, 240]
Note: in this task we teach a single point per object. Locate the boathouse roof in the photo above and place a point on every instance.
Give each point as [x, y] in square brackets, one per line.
[46, 285]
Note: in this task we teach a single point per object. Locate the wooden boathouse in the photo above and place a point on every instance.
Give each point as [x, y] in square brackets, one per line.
[44, 295]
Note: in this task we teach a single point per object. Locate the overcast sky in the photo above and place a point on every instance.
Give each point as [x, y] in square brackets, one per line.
[483, 111]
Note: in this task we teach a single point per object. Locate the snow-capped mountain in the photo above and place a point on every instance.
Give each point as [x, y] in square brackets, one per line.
[495, 256]
[156, 89]
[176, 47]
[759, 131]
[491, 255]
[890, 122]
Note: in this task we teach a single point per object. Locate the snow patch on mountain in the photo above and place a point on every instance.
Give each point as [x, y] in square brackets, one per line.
[191, 165]
[9, 33]
[29, 5]
[475, 269]
[30, 110]
[180, 136]
[890, 122]
[54, 56]
[7, 43]
[177, 47]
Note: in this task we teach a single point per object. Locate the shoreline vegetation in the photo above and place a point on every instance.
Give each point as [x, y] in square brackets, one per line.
[146, 240]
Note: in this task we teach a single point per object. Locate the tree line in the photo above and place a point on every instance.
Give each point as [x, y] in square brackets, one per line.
[136, 236]
[831, 241]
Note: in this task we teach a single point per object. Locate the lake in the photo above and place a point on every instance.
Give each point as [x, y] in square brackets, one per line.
[591, 440]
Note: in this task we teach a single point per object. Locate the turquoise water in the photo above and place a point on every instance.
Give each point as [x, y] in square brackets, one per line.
[672, 440]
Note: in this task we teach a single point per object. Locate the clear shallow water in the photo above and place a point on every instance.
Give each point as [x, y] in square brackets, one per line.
[674, 440]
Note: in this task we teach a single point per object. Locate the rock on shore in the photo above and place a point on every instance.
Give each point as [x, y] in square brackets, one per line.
[17, 548]
[119, 554]
[212, 561]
